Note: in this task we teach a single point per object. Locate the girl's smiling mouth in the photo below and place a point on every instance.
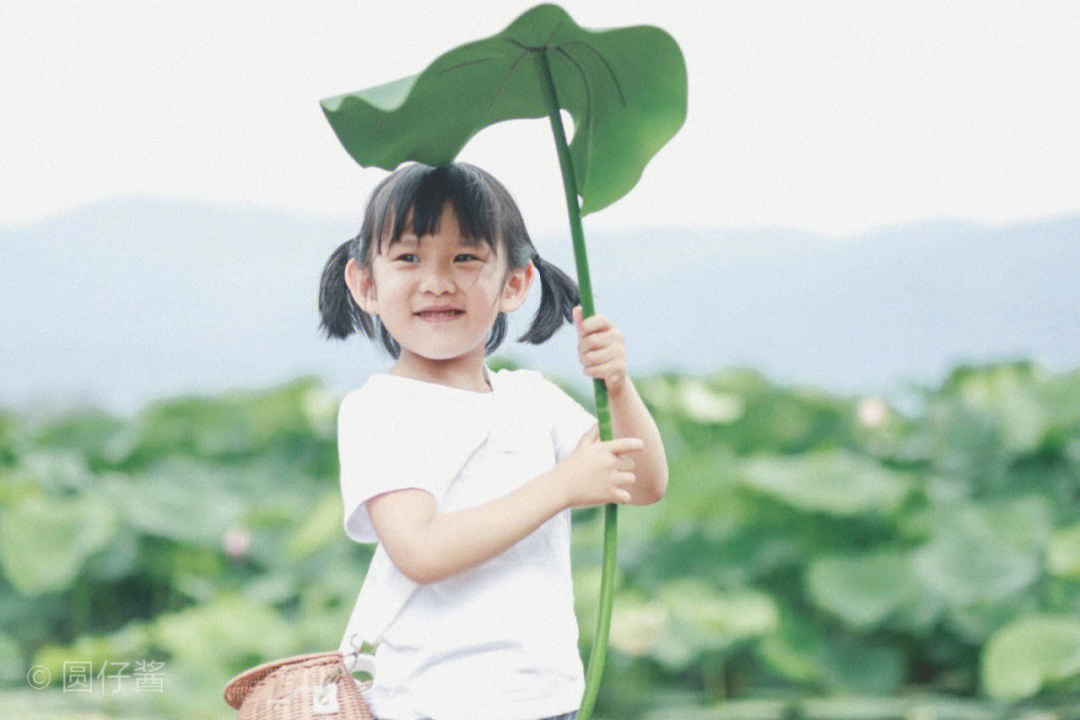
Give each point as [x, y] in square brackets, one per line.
[440, 315]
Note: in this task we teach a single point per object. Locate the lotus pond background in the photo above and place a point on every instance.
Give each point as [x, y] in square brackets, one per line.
[816, 555]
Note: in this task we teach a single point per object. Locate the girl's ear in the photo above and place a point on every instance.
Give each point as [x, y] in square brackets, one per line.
[517, 287]
[358, 280]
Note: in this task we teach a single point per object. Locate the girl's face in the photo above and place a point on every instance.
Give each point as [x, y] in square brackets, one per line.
[417, 275]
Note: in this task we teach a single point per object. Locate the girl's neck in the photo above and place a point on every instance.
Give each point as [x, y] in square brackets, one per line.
[466, 372]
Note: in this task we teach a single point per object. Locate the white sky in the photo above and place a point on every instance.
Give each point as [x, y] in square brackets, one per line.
[832, 117]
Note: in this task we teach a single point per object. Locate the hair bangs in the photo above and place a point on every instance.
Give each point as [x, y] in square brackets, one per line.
[416, 204]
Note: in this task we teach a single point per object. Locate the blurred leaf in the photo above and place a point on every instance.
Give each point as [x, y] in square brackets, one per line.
[708, 620]
[702, 493]
[636, 624]
[965, 565]
[802, 653]
[55, 471]
[862, 590]
[321, 526]
[84, 431]
[701, 403]
[967, 444]
[13, 665]
[919, 617]
[13, 438]
[271, 589]
[1063, 554]
[1004, 394]
[161, 501]
[831, 481]
[1022, 523]
[1054, 478]
[1030, 654]
[232, 424]
[977, 623]
[587, 598]
[44, 540]
[1059, 398]
[125, 645]
[225, 636]
[117, 559]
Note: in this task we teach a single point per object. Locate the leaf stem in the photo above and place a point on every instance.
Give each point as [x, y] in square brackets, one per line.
[603, 412]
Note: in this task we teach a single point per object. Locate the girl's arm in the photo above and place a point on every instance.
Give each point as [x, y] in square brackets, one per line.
[630, 418]
[428, 546]
[602, 352]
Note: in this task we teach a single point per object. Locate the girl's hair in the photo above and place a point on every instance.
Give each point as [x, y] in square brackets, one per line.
[485, 212]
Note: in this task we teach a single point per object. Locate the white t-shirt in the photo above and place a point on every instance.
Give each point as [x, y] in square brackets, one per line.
[497, 641]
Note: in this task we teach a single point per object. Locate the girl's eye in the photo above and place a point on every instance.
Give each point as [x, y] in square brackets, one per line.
[406, 256]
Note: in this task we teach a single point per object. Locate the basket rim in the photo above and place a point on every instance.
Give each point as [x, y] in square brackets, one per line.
[239, 686]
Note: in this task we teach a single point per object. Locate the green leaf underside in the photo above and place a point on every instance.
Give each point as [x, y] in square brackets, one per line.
[624, 88]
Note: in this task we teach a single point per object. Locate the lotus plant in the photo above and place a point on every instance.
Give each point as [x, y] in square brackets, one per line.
[625, 89]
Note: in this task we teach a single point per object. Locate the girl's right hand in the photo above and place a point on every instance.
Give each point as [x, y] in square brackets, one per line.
[595, 473]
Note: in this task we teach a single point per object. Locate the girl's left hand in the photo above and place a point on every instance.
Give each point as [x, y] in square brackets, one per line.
[601, 349]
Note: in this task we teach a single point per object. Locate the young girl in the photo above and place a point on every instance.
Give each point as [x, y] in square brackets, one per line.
[466, 477]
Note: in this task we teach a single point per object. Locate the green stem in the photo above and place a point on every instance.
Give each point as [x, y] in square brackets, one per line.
[603, 412]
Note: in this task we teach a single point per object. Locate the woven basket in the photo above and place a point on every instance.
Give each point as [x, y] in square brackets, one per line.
[304, 687]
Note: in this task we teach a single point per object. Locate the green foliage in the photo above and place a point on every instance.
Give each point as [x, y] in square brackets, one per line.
[807, 545]
[1035, 652]
[624, 88]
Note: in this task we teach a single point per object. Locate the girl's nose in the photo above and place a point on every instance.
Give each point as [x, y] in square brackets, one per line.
[437, 279]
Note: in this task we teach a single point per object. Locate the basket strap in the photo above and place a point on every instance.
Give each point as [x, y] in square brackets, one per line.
[357, 660]
[364, 662]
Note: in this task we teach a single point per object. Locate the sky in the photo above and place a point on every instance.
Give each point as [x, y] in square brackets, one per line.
[828, 117]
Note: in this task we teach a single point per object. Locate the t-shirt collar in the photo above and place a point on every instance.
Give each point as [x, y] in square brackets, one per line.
[448, 390]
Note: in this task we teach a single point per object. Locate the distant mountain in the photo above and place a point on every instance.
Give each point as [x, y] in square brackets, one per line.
[130, 299]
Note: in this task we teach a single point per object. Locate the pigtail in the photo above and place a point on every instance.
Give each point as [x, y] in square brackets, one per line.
[559, 295]
[340, 314]
[336, 306]
[388, 340]
[498, 333]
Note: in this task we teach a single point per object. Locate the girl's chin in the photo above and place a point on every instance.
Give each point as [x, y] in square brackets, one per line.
[439, 352]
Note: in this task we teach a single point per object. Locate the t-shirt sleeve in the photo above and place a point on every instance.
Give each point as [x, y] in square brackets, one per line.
[372, 462]
[571, 420]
